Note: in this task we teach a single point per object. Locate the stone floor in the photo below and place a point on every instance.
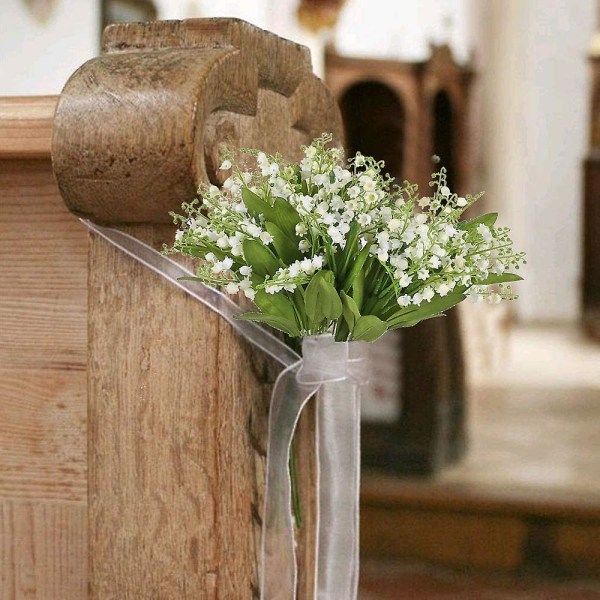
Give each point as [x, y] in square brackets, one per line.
[535, 423]
[534, 431]
[386, 581]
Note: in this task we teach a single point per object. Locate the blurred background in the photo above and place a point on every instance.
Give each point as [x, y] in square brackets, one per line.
[482, 434]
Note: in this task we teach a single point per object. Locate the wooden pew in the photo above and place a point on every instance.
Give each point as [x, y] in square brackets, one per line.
[98, 352]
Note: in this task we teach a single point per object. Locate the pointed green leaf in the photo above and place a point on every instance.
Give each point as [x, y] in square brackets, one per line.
[504, 278]
[321, 299]
[284, 215]
[357, 266]
[260, 258]
[275, 304]
[488, 219]
[256, 205]
[350, 310]
[285, 245]
[368, 328]
[274, 321]
[437, 305]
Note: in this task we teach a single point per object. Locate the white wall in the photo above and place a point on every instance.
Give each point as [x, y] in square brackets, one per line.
[535, 90]
[403, 29]
[38, 58]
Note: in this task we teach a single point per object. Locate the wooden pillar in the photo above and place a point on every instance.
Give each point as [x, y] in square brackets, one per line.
[177, 402]
[591, 211]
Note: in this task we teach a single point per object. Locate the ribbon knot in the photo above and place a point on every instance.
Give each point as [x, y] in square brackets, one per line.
[326, 361]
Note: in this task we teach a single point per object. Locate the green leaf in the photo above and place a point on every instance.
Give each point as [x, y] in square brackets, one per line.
[437, 305]
[284, 215]
[368, 328]
[504, 278]
[321, 299]
[256, 206]
[285, 245]
[357, 266]
[260, 258]
[274, 321]
[350, 310]
[358, 288]
[488, 219]
[275, 304]
[351, 247]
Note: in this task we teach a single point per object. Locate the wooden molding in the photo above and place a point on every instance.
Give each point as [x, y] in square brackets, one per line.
[138, 128]
[26, 126]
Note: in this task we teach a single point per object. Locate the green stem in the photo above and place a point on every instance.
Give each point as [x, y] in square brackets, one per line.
[296, 501]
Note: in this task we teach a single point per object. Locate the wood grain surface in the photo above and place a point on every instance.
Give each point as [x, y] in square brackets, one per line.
[43, 261]
[43, 356]
[43, 550]
[26, 126]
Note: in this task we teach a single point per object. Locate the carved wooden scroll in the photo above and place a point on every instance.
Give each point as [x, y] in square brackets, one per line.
[177, 403]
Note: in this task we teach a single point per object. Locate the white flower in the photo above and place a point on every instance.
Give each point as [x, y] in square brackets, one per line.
[227, 263]
[424, 202]
[246, 270]
[179, 235]
[310, 151]
[363, 219]
[273, 289]
[334, 233]
[294, 269]
[210, 257]
[223, 242]
[434, 262]
[253, 230]
[273, 169]
[249, 293]
[304, 246]
[232, 288]
[321, 179]
[354, 191]
[461, 202]
[318, 261]
[266, 237]
[382, 255]
[226, 165]
[443, 289]
[475, 296]
[484, 232]
[445, 191]
[336, 202]
[423, 274]
[421, 219]
[367, 183]
[428, 293]
[417, 298]
[306, 265]
[300, 229]
[399, 262]
[246, 177]
[371, 198]
[404, 280]
[404, 300]
[394, 224]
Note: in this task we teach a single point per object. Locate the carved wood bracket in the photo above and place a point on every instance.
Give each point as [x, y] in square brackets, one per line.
[139, 127]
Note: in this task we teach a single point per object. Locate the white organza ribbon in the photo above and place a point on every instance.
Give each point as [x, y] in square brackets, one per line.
[336, 370]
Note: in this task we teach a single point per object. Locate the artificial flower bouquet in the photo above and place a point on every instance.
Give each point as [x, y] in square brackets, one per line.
[335, 253]
[327, 245]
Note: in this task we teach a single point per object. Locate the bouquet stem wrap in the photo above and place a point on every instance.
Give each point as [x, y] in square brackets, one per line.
[334, 371]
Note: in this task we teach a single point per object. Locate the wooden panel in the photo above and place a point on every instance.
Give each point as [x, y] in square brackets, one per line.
[453, 539]
[43, 550]
[26, 126]
[43, 434]
[43, 265]
[178, 408]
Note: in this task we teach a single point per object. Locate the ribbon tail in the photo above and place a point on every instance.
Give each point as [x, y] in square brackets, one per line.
[338, 437]
[278, 571]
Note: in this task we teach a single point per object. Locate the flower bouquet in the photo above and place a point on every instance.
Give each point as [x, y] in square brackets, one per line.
[334, 253]
[324, 246]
